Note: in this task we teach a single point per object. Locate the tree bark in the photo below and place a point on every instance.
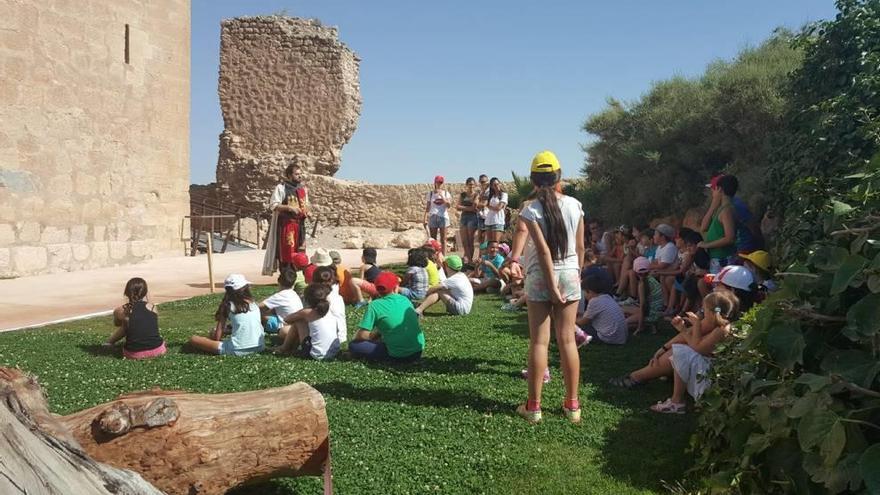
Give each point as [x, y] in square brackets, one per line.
[195, 443]
[36, 457]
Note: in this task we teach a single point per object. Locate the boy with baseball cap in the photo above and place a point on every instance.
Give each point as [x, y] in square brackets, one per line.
[456, 291]
[390, 328]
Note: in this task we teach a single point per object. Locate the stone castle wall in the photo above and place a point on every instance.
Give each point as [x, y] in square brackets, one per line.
[289, 90]
[94, 149]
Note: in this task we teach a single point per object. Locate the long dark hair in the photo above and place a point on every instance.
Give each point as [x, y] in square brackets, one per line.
[316, 298]
[497, 182]
[556, 234]
[135, 291]
[240, 299]
[324, 275]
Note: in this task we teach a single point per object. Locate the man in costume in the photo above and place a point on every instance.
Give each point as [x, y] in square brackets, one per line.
[289, 205]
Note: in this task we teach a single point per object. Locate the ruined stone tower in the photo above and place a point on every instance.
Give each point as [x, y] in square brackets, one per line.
[288, 90]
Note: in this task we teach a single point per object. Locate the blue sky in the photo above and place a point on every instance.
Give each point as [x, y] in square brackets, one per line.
[461, 88]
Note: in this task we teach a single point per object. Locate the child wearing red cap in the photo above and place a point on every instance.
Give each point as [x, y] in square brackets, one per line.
[437, 212]
[390, 328]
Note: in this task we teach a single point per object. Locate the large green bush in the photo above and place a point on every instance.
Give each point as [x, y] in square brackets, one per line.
[657, 152]
[795, 405]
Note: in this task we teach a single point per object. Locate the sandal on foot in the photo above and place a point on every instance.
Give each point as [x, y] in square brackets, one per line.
[625, 382]
[669, 407]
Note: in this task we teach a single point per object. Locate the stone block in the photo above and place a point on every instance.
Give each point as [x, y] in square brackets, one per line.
[118, 250]
[59, 256]
[140, 249]
[409, 239]
[7, 234]
[29, 259]
[100, 254]
[5, 261]
[98, 232]
[54, 235]
[28, 232]
[378, 242]
[79, 233]
[81, 252]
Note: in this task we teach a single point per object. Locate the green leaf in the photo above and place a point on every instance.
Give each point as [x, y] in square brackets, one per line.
[869, 468]
[874, 283]
[850, 267]
[786, 344]
[852, 364]
[834, 443]
[840, 208]
[856, 246]
[864, 315]
[803, 406]
[814, 427]
[815, 382]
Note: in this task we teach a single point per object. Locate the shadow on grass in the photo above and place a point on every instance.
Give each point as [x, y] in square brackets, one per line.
[413, 397]
[99, 350]
[444, 366]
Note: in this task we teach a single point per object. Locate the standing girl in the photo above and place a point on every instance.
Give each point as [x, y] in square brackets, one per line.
[137, 324]
[289, 207]
[436, 212]
[467, 207]
[554, 225]
[243, 314]
[495, 206]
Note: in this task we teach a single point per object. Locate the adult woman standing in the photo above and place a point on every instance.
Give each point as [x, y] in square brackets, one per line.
[553, 225]
[495, 215]
[289, 205]
[719, 224]
[467, 207]
[436, 212]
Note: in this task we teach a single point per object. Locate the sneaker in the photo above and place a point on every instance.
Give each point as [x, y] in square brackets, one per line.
[628, 302]
[572, 415]
[530, 416]
[581, 338]
[509, 307]
[525, 374]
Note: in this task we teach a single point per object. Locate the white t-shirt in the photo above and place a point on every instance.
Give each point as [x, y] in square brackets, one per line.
[438, 207]
[325, 340]
[667, 254]
[496, 217]
[337, 310]
[460, 289]
[284, 302]
[572, 214]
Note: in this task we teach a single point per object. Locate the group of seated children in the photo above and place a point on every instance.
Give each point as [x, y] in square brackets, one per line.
[314, 325]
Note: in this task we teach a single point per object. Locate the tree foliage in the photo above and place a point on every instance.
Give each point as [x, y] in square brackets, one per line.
[658, 151]
[795, 403]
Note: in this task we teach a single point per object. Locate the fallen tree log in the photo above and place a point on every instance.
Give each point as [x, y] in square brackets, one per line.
[197, 443]
[38, 457]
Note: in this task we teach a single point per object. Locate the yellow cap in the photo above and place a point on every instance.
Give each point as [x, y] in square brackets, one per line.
[761, 259]
[545, 161]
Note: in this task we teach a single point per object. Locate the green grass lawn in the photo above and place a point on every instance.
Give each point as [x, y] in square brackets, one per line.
[444, 425]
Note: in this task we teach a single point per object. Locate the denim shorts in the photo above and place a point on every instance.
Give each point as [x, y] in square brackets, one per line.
[470, 220]
[437, 222]
[567, 281]
[495, 228]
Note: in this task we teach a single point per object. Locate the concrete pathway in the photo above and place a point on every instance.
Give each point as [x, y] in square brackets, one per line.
[35, 301]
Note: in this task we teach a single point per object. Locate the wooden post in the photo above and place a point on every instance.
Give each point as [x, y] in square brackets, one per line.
[211, 257]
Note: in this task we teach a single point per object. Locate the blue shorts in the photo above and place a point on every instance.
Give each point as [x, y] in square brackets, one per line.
[437, 222]
[227, 349]
[273, 324]
[495, 228]
[470, 220]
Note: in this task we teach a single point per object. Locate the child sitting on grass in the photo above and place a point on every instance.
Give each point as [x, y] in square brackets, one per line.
[455, 292]
[691, 359]
[489, 270]
[389, 330]
[240, 310]
[137, 324]
[435, 262]
[300, 262]
[660, 364]
[603, 318]
[650, 305]
[415, 280]
[672, 277]
[282, 303]
[313, 329]
[368, 273]
[628, 292]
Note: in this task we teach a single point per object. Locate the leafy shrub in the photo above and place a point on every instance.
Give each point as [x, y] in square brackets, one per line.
[795, 404]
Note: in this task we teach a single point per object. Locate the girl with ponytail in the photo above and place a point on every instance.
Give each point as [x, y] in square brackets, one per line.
[313, 328]
[550, 230]
[691, 360]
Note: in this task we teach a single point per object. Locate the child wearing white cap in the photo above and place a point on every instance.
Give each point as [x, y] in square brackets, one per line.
[239, 309]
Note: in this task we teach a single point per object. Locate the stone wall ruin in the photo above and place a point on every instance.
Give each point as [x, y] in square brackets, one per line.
[94, 132]
[289, 89]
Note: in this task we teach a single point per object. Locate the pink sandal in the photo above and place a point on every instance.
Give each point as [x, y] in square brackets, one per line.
[669, 407]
